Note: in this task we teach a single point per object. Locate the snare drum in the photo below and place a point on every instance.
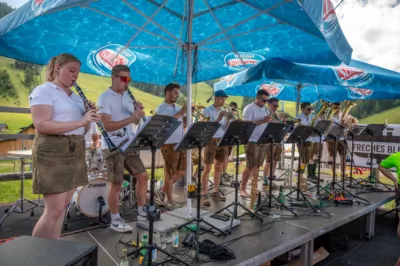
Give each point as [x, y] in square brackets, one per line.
[85, 198]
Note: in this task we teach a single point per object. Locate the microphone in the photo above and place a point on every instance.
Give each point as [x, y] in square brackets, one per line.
[209, 99]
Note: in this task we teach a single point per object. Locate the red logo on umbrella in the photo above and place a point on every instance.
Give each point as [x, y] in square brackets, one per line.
[361, 92]
[273, 89]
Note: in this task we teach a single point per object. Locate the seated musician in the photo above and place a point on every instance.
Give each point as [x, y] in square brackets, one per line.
[212, 153]
[255, 154]
[175, 162]
[273, 104]
[308, 148]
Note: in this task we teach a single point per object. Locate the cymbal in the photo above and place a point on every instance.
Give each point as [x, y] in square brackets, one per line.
[21, 152]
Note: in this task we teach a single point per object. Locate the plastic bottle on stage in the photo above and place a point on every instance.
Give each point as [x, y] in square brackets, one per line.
[157, 242]
[281, 197]
[175, 238]
[124, 261]
[163, 239]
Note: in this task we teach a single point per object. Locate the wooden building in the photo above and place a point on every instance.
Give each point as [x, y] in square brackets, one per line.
[17, 144]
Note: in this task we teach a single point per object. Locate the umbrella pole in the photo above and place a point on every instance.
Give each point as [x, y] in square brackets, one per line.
[298, 88]
[189, 73]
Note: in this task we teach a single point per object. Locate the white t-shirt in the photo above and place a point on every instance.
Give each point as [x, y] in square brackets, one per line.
[304, 120]
[337, 119]
[65, 108]
[213, 114]
[253, 112]
[171, 110]
[120, 107]
[88, 137]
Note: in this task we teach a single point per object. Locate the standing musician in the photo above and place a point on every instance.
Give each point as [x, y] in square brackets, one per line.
[213, 154]
[255, 154]
[273, 104]
[341, 144]
[117, 113]
[233, 108]
[175, 162]
[58, 152]
[308, 147]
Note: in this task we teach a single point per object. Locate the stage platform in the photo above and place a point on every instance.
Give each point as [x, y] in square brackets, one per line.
[253, 242]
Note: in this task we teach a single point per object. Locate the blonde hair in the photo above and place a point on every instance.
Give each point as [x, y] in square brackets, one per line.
[119, 68]
[60, 60]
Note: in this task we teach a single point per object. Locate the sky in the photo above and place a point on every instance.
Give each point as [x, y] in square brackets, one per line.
[370, 26]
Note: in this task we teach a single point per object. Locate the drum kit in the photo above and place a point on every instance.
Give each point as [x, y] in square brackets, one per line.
[89, 200]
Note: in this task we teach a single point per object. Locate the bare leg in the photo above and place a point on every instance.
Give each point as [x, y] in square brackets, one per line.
[57, 228]
[204, 177]
[274, 165]
[217, 174]
[266, 169]
[171, 181]
[113, 197]
[47, 226]
[141, 188]
[245, 179]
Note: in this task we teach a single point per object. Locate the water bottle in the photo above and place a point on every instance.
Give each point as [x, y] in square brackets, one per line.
[175, 238]
[281, 197]
[163, 239]
[157, 242]
[124, 261]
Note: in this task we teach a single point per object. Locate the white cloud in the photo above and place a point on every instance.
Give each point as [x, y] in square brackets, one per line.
[372, 29]
[15, 3]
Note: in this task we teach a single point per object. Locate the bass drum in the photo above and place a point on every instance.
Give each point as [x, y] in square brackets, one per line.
[86, 198]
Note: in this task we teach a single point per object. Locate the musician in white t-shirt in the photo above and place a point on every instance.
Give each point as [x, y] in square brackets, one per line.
[175, 162]
[117, 113]
[212, 153]
[255, 154]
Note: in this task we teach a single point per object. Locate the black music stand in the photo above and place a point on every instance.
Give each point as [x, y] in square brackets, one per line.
[335, 134]
[320, 128]
[299, 135]
[238, 132]
[373, 130]
[273, 133]
[356, 131]
[197, 136]
[152, 135]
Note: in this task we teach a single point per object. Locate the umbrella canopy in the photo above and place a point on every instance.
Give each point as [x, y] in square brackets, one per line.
[152, 37]
[282, 79]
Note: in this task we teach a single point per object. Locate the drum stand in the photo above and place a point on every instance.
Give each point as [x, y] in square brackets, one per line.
[15, 207]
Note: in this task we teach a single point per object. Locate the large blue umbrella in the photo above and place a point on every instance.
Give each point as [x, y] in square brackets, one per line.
[283, 79]
[152, 37]
[171, 40]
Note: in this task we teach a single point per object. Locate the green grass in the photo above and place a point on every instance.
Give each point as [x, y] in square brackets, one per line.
[392, 116]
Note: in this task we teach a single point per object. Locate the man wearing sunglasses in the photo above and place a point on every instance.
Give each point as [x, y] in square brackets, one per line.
[255, 154]
[273, 104]
[309, 147]
[117, 113]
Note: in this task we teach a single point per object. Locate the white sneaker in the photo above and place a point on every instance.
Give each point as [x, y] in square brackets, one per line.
[141, 212]
[120, 225]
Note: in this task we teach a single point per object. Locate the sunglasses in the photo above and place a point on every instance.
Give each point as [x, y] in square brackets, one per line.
[263, 100]
[309, 109]
[124, 79]
[275, 105]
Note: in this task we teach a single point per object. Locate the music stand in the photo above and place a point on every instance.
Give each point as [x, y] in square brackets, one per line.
[320, 128]
[299, 135]
[273, 133]
[356, 131]
[238, 132]
[198, 136]
[152, 135]
[334, 134]
[373, 130]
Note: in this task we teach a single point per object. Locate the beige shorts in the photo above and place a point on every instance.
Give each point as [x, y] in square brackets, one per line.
[315, 149]
[213, 152]
[173, 161]
[255, 154]
[306, 152]
[341, 147]
[116, 162]
[276, 153]
[58, 163]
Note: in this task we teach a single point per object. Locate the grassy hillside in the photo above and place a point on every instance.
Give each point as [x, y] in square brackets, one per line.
[392, 116]
[93, 86]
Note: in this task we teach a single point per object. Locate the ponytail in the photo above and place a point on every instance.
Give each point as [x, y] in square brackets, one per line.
[58, 60]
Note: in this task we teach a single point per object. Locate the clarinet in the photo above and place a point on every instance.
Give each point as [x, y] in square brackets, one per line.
[110, 144]
[135, 104]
